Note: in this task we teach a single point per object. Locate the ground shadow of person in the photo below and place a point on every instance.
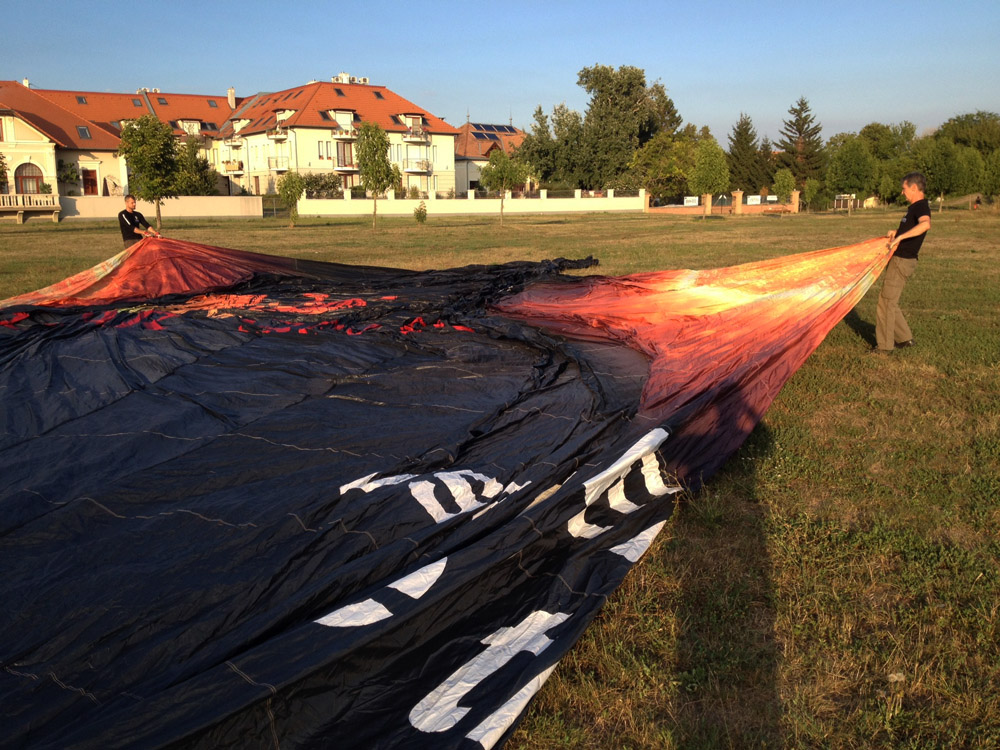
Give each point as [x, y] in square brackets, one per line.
[725, 676]
[864, 329]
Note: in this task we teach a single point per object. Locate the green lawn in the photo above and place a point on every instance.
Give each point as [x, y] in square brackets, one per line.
[837, 583]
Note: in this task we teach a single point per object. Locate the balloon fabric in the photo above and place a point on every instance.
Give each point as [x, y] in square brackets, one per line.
[253, 501]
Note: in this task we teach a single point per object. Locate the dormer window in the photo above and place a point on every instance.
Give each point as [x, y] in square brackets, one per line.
[212, 103]
[378, 95]
[81, 100]
[161, 100]
[137, 102]
[83, 131]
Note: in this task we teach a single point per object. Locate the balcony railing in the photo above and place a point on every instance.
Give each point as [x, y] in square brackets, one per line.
[234, 141]
[277, 134]
[346, 168]
[417, 165]
[233, 167]
[277, 163]
[344, 134]
[29, 200]
[416, 134]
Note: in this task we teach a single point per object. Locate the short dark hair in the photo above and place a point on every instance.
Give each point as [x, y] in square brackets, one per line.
[916, 179]
[130, 196]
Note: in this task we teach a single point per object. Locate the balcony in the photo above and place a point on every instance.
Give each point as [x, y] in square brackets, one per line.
[277, 163]
[417, 165]
[234, 141]
[277, 134]
[346, 168]
[233, 167]
[344, 134]
[416, 134]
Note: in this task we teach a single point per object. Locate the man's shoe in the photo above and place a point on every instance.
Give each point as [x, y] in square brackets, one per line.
[905, 344]
[876, 350]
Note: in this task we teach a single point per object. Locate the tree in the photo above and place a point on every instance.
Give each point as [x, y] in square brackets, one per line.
[291, 186]
[664, 165]
[711, 172]
[852, 168]
[3, 172]
[768, 163]
[811, 191]
[501, 174]
[743, 157]
[537, 149]
[623, 114]
[980, 130]
[150, 151]
[377, 173]
[937, 159]
[971, 170]
[195, 175]
[991, 174]
[801, 144]
[320, 185]
[784, 184]
[888, 142]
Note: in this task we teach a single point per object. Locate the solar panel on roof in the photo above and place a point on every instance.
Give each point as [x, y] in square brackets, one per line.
[492, 137]
[479, 136]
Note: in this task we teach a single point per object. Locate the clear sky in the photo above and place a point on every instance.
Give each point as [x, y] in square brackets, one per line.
[496, 62]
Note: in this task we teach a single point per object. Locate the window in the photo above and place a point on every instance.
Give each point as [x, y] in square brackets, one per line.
[212, 103]
[378, 95]
[340, 92]
[83, 131]
[160, 100]
[81, 100]
[345, 154]
[28, 179]
[137, 102]
[328, 151]
[324, 115]
[89, 181]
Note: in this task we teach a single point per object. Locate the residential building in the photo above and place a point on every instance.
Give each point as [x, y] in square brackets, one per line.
[313, 128]
[473, 146]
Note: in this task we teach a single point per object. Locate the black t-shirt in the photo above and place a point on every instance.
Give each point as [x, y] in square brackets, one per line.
[909, 247]
[129, 221]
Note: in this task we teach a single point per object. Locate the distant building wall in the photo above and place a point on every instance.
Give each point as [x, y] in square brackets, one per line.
[187, 206]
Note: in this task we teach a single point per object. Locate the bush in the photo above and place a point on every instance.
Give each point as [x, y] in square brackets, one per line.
[420, 213]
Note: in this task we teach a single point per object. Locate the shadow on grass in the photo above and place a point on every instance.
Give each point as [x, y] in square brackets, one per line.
[726, 657]
[864, 329]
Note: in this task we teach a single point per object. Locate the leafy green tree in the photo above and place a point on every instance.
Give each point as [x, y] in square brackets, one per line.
[888, 142]
[291, 186]
[664, 165]
[377, 173]
[195, 175]
[980, 130]
[569, 156]
[319, 185]
[991, 174]
[537, 150]
[784, 184]
[3, 173]
[811, 191]
[623, 114]
[938, 160]
[971, 170]
[711, 171]
[889, 176]
[852, 168]
[743, 156]
[501, 174]
[150, 151]
[801, 145]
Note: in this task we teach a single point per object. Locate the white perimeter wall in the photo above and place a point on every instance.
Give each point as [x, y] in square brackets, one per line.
[187, 206]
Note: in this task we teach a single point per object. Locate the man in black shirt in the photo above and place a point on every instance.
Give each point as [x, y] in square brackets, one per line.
[131, 222]
[891, 329]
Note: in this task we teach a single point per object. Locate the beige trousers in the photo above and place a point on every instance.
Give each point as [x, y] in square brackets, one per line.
[890, 325]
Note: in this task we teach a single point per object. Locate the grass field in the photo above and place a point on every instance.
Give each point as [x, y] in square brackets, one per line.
[836, 585]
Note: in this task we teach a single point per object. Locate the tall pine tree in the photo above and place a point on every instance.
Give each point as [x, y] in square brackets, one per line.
[743, 157]
[801, 144]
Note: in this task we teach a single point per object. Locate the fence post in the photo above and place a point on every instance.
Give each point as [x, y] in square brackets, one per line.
[737, 201]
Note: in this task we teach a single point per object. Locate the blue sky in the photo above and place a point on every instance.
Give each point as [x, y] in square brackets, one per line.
[855, 62]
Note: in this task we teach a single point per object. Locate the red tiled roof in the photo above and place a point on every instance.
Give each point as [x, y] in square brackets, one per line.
[370, 103]
[476, 140]
[55, 122]
[106, 109]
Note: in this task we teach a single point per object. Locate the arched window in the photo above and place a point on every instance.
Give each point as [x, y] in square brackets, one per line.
[28, 179]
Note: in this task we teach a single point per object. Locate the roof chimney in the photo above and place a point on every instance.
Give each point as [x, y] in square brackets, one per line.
[231, 97]
[26, 83]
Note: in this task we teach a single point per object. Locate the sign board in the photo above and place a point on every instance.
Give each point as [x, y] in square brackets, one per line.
[690, 200]
[753, 200]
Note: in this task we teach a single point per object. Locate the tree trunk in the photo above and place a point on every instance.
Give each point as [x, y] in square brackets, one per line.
[158, 221]
[374, 210]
